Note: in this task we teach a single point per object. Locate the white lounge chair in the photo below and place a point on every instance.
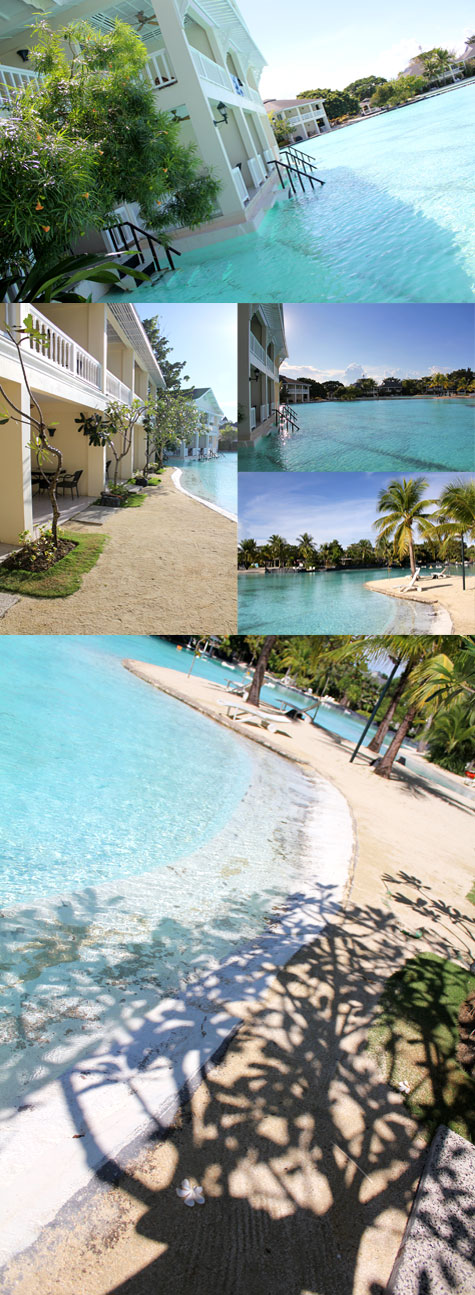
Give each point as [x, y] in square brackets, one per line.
[438, 575]
[240, 711]
[405, 589]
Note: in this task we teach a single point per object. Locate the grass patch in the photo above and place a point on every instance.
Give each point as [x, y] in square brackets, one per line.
[61, 580]
[415, 1037]
[134, 501]
[154, 481]
[471, 894]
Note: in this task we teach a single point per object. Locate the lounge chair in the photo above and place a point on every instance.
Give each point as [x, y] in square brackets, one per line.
[438, 575]
[240, 711]
[405, 589]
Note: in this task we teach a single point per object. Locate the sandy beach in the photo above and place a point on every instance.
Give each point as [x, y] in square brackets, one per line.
[168, 567]
[446, 596]
[309, 1162]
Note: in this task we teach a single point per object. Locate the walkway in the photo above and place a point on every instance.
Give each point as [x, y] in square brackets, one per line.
[168, 567]
[309, 1162]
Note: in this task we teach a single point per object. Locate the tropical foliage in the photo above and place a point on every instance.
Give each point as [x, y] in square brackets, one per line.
[338, 103]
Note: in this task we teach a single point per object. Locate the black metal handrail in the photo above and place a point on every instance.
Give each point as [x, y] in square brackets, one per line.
[297, 154]
[286, 415]
[137, 237]
[295, 170]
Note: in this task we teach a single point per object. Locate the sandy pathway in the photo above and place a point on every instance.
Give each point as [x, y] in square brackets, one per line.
[446, 594]
[309, 1162]
[169, 567]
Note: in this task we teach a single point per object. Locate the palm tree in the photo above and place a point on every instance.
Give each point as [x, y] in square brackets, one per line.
[451, 740]
[416, 695]
[402, 504]
[277, 547]
[248, 553]
[457, 512]
[446, 679]
[259, 672]
[306, 548]
[439, 380]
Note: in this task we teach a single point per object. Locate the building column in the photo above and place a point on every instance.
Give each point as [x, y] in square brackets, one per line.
[244, 388]
[201, 114]
[16, 507]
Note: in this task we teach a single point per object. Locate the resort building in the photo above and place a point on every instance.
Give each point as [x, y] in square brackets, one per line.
[303, 118]
[297, 392]
[453, 71]
[391, 387]
[84, 356]
[204, 67]
[262, 348]
[205, 444]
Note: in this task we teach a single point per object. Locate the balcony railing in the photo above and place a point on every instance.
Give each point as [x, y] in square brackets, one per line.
[13, 79]
[217, 75]
[56, 347]
[117, 389]
[159, 70]
[263, 413]
[258, 354]
[253, 418]
[257, 170]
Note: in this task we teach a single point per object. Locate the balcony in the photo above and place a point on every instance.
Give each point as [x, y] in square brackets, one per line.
[258, 354]
[58, 350]
[219, 78]
[117, 389]
[13, 79]
[240, 184]
[159, 70]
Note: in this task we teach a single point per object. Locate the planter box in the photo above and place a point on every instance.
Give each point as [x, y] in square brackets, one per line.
[110, 501]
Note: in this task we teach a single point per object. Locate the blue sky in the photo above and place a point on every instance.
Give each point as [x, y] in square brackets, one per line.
[329, 505]
[347, 342]
[329, 45]
[205, 335]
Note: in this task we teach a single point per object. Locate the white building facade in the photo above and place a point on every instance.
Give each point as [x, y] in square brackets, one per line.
[86, 356]
[304, 118]
[262, 347]
[205, 443]
[205, 69]
[298, 392]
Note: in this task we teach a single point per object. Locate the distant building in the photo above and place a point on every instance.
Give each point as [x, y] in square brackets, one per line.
[391, 387]
[204, 443]
[304, 118]
[416, 67]
[298, 392]
[262, 347]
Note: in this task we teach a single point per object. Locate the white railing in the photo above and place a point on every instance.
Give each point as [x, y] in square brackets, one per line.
[159, 69]
[263, 413]
[256, 350]
[211, 71]
[13, 79]
[117, 389]
[240, 184]
[253, 418]
[56, 347]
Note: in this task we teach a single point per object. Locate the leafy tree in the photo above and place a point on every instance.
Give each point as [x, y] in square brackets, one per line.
[436, 61]
[451, 739]
[112, 429]
[457, 511]
[402, 506]
[364, 87]
[171, 417]
[337, 102]
[172, 370]
[398, 91]
[87, 139]
[248, 553]
[281, 129]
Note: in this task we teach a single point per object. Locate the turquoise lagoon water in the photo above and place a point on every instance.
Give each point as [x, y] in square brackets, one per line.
[213, 479]
[325, 602]
[393, 223]
[132, 854]
[370, 436]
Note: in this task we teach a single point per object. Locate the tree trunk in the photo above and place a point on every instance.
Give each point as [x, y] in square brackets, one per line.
[412, 558]
[259, 672]
[380, 734]
[53, 484]
[384, 766]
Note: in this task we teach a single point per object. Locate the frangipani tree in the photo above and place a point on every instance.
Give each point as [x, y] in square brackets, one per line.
[40, 442]
[113, 429]
[171, 417]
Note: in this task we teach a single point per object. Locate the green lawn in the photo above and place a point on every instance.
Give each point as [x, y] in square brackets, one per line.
[61, 580]
[471, 894]
[134, 501]
[414, 1039]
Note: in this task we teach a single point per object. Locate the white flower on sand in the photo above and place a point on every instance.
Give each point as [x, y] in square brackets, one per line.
[404, 1087]
[190, 1195]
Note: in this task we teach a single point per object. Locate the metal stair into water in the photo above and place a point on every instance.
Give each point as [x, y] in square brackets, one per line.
[285, 418]
[141, 250]
[292, 163]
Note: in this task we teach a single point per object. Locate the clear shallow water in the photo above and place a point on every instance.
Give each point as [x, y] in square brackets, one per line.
[214, 479]
[393, 223]
[370, 436]
[324, 602]
[132, 853]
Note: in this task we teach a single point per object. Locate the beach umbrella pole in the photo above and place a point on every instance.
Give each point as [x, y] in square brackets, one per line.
[374, 711]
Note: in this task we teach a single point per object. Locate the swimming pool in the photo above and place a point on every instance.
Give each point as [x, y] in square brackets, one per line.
[132, 854]
[393, 223]
[212, 479]
[325, 602]
[370, 436]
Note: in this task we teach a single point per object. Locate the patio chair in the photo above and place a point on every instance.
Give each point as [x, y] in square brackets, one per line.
[405, 589]
[70, 482]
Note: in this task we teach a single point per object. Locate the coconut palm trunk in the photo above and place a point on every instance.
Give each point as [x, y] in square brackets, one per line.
[383, 726]
[384, 766]
[259, 672]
